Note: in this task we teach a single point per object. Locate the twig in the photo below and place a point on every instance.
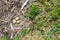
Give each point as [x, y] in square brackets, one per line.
[11, 26]
[25, 3]
[12, 31]
[13, 8]
[19, 28]
[11, 35]
[22, 11]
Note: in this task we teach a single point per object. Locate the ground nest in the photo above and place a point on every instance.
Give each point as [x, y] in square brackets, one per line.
[11, 16]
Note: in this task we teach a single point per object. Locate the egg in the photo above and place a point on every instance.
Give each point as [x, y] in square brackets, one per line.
[17, 18]
[14, 21]
[18, 21]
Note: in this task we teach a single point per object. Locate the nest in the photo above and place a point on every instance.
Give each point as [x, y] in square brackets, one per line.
[9, 10]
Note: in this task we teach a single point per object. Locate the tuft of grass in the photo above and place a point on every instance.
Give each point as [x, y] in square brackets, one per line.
[33, 11]
[3, 38]
[16, 37]
[55, 28]
[58, 3]
[48, 38]
[25, 31]
[48, 6]
[41, 1]
[55, 13]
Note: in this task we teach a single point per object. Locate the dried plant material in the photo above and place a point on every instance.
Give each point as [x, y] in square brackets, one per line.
[11, 27]
[25, 3]
[13, 9]
[11, 35]
[1, 34]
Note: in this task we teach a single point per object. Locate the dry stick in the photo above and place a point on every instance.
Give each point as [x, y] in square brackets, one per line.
[13, 8]
[11, 26]
[24, 4]
[11, 35]
[12, 30]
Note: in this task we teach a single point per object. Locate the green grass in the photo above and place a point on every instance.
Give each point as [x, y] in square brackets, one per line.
[48, 38]
[33, 11]
[3, 38]
[40, 21]
[55, 13]
[41, 1]
[54, 28]
[16, 37]
[25, 31]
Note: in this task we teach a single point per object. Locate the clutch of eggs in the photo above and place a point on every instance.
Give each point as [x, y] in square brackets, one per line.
[16, 20]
